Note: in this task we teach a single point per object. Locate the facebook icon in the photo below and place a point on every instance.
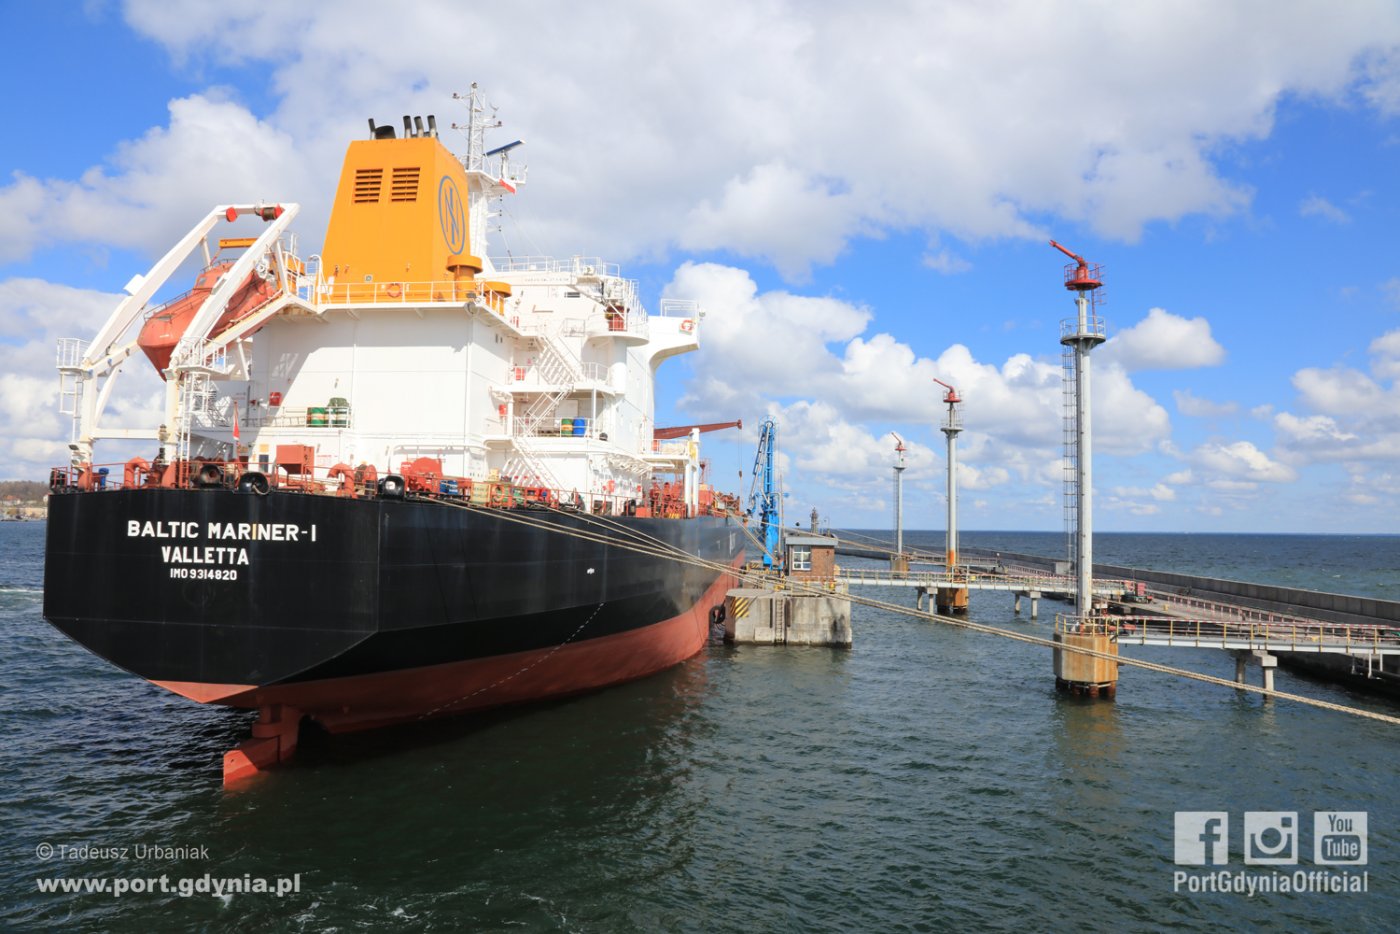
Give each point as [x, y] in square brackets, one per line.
[1202, 838]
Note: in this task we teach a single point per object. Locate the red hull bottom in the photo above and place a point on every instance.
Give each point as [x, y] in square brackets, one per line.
[368, 701]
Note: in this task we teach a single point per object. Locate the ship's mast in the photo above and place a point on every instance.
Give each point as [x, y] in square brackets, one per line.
[485, 183]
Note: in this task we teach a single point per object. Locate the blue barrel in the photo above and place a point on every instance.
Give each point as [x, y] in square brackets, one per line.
[580, 426]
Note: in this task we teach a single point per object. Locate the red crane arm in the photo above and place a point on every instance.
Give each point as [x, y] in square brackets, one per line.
[680, 431]
[951, 395]
[1070, 253]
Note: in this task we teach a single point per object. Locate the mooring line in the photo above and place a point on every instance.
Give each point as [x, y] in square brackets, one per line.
[664, 550]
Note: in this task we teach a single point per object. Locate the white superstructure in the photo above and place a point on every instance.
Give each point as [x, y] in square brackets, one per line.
[539, 371]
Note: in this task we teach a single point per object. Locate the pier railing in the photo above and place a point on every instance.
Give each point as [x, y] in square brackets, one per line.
[1226, 611]
[962, 577]
[1296, 636]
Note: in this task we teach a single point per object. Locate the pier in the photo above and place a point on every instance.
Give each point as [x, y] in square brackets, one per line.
[800, 601]
[929, 583]
[1112, 607]
[1260, 625]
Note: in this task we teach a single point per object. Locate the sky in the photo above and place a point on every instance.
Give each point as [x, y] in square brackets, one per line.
[861, 197]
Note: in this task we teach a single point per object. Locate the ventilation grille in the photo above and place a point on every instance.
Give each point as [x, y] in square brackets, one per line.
[404, 186]
[367, 185]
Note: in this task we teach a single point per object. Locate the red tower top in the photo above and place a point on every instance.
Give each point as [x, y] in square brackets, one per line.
[1080, 275]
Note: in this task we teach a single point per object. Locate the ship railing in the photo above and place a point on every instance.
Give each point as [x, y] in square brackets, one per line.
[679, 308]
[532, 376]
[523, 426]
[315, 417]
[585, 267]
[70, 352]
[263, 474]
[581, 266]
[671, 448]
[436, 291]
[617, 323]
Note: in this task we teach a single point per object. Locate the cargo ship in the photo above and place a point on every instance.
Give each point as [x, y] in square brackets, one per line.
[393, 480]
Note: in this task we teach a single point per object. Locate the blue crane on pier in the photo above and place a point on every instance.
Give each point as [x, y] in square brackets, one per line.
[763, 495]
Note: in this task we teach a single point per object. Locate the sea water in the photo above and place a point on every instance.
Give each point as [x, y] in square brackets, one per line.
[928, 779]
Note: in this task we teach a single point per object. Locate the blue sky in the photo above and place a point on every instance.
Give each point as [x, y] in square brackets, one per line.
[860, 198]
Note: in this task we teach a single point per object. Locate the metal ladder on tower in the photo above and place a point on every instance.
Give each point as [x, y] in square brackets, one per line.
[1069, 375]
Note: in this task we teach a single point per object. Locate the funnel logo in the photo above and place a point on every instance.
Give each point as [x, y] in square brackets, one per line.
[452, 214]
[1270, 838]
[1202, 838]
[1339, 838]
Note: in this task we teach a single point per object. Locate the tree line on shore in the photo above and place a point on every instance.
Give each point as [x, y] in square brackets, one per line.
[26, 491]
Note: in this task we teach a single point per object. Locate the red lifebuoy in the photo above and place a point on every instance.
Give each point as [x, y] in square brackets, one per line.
[687, 325]
[393, 290]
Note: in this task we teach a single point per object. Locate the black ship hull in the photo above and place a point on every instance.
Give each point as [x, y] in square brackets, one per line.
[360, 612]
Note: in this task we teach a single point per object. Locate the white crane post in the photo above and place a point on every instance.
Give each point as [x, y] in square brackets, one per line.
[898, 494]
[1083, 334]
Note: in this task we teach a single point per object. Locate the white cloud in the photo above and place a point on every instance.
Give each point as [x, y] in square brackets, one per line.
[1239, 462]
[770, 130]
[1164, 341]
[1126, 419]
[778, 212]
[971, 477]
[1381, 80]
[1158, 491]
[1318, 206]
[758, 347]
[815, 359]
[33, 315]
[1353, 417]
[156, 187]
[1342, 391]
[946, 263]
[1385, 355]
[1311, 430]
[824, 444]
[1187, 403]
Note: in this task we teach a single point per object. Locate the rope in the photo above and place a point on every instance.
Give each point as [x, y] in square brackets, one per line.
[881, 545]
[643, 543]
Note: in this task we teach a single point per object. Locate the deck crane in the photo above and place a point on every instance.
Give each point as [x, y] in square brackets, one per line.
[680, 431]
[763, 495]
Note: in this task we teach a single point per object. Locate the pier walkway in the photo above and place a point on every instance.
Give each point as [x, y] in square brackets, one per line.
[1007, 583]
[1297, 636]
[1160, 616]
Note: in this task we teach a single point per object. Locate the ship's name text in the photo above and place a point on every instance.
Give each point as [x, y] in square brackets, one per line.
[223, 531]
